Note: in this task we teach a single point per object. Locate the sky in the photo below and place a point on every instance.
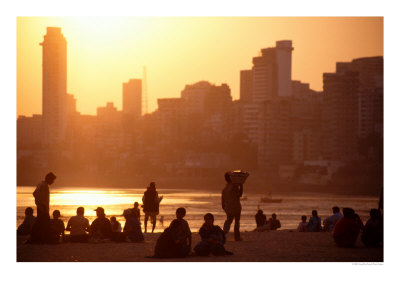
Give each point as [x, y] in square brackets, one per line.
[104, 52]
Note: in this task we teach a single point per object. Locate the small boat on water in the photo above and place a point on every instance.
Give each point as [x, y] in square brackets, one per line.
[270, 200]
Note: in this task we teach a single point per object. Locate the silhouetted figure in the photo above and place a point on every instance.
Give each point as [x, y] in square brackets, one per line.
[151, 204]
[212, 239]
[100, 229]
[346, 229]
[175, 241]
[329, 222]
[115, 225]
[373, 231]
[79, 227]
[359, 222]
[261, 221]
[41, 231]
[314, 223]
[274, 223]
[231, 205]
[303, 225]
[132, 230]
[136, 211]
[162, 221]
[57, 225]
[26, 227]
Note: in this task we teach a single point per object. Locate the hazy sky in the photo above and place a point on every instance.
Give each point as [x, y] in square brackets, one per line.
[104, 52]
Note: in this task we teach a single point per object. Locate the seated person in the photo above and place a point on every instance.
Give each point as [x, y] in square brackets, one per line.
[274, 223]
[26, 227]
[373, 231]
[261, 221]
[57, 226]
[115, 225]
[175, 241]
[302, 225]
[79, 227]
[346, 229]
[100, 229]
[329, 222]
[132, 230]
[314, 223]
[212, 239]
[136, 211]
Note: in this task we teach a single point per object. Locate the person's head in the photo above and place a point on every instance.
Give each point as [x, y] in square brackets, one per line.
[113, 219]
[100, 212]
[180, 213]
[28, 211]
[314, 213]
[335, 209]
[209, 219]
[303, 219]
[50, 177]
[374, 214]
[80, 211]
[274, 216]
[136, 204]
[348, 212]
[260, 212]
[56, 214]
[227, 177]
[152, 185]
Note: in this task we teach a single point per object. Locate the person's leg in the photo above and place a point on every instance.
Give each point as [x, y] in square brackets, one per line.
[237, 225]
[217, 249]
[228, 222]
[153, 221]
[146, 218]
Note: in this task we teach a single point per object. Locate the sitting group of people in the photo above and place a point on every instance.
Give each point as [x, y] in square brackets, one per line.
[101, 229]
[176, 240]
[262, 224]
[346, 227]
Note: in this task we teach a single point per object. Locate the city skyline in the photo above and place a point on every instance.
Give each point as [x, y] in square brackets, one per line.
[89, 97]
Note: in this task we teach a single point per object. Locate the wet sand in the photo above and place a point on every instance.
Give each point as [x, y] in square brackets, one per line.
[273, 246]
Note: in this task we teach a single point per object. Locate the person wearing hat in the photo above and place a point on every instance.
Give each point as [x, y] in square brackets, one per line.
[41, 232]
[151, 205]
[101, 229]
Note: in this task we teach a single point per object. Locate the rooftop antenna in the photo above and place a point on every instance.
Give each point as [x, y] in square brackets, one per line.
[144, 93]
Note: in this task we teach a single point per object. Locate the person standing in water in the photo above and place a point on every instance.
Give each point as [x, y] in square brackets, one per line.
[151, 204]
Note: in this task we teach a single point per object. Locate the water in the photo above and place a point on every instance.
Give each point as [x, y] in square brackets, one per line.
[196, 202]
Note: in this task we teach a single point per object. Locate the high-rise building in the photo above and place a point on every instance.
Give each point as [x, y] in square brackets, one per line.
[246, 85]
[54, 87]
[132, 98]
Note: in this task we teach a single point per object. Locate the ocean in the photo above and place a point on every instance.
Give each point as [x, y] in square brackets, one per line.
[196, 202]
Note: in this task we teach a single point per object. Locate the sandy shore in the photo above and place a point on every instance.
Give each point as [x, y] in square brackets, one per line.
[273, 246]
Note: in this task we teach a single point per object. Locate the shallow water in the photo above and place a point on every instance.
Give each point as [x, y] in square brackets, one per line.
[196, 202]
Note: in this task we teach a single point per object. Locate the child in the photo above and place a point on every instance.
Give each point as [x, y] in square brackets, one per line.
[115, 225]
[57, 226]
[303, 224]
[274, 223]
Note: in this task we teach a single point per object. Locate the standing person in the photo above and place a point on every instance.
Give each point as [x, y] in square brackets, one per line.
[314, 223]
[329, 222]
[101, 227]
[26, 227]
[79, 227]
[151, 205]
[231, 205]
[41, 232]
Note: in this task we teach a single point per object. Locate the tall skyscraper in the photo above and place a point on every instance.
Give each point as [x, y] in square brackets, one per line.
[132, 98]
[54, 87]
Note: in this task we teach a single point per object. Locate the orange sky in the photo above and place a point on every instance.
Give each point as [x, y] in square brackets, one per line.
[105, 52]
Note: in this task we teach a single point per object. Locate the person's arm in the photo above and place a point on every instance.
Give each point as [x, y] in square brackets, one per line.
[279, 224]
[68, 225]
[240, 190]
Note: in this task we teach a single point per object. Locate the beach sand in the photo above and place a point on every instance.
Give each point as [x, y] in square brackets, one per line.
[272, 246]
